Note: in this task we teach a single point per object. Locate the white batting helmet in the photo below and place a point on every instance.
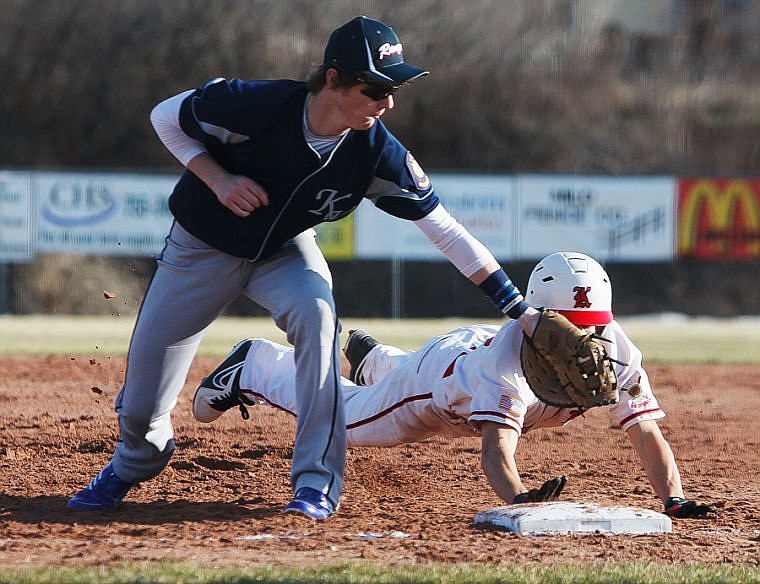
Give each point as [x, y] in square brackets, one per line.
[574, 285]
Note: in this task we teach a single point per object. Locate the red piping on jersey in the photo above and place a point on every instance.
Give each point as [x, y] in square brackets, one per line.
[496, 415]
[508, 421]
[637, 414]
[450, 368]
[387, 411]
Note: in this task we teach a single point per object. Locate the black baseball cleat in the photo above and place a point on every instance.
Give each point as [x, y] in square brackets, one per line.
[221, 391]
[358, 345]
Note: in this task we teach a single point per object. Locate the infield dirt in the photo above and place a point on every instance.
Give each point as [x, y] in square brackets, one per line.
[219, 502]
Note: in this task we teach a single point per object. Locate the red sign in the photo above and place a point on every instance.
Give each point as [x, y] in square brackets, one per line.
[719, 219]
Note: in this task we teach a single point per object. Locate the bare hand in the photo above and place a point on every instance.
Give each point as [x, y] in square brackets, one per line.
[528, 320]
[241, 195]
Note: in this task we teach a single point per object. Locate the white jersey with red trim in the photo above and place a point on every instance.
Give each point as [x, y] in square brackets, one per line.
[449, 386]
[485, 382]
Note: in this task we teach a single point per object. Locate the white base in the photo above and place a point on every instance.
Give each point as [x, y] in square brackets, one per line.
[570, 518]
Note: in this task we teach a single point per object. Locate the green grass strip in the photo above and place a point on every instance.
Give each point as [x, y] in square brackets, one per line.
[362, 573]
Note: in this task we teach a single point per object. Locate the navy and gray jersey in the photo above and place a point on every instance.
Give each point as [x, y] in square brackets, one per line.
[255, 129]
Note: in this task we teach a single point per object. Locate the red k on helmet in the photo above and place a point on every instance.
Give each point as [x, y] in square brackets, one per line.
[574, 285]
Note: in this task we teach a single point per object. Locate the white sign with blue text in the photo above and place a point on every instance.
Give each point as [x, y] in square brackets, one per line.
[104, 214]
[16, 217]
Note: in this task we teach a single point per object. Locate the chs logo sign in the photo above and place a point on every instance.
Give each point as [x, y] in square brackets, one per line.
[719, 219]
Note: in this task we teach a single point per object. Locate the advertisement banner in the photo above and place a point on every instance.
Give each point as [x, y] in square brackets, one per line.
[719, 218]
[16, 217]
[336, 238]
[609, 218]
[103, 214]
[483, 204]
[522, 217]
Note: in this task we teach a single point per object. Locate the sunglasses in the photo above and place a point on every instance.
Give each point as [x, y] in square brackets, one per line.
[377, 92]
[374, 91]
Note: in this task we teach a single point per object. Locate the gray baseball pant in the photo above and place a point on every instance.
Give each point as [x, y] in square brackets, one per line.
[192, 285]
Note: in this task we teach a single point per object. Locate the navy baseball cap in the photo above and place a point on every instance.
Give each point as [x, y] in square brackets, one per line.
[370, 49]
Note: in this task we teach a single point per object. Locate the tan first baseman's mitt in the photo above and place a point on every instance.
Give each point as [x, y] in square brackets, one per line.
[567, 367]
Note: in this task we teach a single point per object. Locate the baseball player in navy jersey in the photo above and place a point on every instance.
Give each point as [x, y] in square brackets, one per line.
[265, 162]
[469, 382]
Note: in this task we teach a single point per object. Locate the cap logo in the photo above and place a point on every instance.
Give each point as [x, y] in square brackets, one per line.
[388, 50]
[581, 297]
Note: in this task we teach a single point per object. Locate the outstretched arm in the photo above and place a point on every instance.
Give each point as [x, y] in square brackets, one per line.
[493, 281]
[498, 460]
[660, 465]
[477, 263]
[657, 459]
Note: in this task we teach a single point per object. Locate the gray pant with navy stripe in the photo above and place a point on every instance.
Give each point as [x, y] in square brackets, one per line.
[192, 285]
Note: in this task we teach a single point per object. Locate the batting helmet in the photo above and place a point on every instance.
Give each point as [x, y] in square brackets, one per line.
[574, 285]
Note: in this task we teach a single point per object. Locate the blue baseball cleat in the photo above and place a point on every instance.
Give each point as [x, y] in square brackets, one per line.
[104, 492]
[311, 503]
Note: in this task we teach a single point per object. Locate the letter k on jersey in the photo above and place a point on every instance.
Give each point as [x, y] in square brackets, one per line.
[328, 210]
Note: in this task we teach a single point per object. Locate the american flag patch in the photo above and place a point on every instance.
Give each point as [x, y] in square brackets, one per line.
[512, 406]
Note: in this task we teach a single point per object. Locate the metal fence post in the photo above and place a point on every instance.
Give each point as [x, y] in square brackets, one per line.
[397, 285]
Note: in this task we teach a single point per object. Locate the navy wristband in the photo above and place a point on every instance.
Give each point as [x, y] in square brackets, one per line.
[504, 294]
[517, 309]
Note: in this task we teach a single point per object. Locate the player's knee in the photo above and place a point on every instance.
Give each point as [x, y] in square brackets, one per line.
[265, 351]
[313, 323]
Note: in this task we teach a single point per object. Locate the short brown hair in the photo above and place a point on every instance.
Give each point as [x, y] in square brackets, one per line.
[316, 80]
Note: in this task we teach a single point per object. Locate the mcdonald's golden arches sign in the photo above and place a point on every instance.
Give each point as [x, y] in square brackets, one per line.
[719, 218]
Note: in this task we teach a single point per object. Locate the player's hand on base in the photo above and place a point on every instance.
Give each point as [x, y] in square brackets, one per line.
[549, 491]
[688, 509]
